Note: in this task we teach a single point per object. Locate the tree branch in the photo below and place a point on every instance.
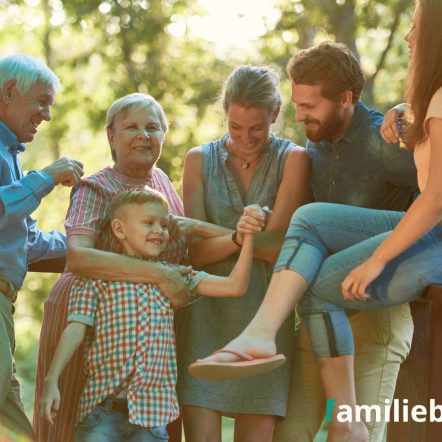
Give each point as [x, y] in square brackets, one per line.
[394, 27]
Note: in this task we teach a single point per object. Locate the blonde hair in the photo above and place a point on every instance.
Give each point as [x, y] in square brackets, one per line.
[136, 196]
[252, 86]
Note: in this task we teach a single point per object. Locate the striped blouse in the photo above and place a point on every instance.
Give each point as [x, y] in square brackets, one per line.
[88, 215]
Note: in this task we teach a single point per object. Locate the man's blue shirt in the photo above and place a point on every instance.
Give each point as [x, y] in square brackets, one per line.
[20, 241]
[361, 169]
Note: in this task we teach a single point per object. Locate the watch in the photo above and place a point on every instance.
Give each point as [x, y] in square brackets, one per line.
[234, 235]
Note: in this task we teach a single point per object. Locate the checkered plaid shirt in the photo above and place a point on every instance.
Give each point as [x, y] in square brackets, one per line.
[130, 348]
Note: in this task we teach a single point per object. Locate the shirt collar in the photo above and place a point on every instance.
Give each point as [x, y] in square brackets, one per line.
[223, 149]
[10, 140]
[357, 122]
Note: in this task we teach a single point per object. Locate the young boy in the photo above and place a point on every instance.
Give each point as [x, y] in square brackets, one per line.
[130, 364]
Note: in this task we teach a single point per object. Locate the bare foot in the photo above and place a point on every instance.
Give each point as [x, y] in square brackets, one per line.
[258, 347]
[347, 432]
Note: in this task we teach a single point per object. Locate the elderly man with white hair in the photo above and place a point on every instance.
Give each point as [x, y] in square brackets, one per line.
[27, 91]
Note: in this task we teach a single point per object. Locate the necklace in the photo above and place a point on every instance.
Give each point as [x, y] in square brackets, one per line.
[245, 164]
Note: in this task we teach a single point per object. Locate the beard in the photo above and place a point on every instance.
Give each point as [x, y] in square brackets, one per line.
[326, 130]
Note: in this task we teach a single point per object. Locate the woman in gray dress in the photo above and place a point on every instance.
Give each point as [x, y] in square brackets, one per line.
[248, 165]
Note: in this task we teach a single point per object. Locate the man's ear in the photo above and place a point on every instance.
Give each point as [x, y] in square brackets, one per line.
[118, 228]
[8, 91]
[347, 98]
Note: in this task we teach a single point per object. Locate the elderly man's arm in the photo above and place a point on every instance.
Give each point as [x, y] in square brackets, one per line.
[44, 245]
[19, 199]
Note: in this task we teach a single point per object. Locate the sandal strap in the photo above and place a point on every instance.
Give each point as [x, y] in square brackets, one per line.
[240, 354]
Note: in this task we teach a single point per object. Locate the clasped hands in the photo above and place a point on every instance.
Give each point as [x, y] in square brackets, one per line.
[253, 220]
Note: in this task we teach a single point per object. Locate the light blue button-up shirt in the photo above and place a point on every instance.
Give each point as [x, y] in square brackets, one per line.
[20, 241]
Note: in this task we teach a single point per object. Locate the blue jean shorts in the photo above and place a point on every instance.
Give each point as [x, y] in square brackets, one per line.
[101, 425]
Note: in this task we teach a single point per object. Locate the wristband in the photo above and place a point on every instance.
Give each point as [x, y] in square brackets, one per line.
[234, 235]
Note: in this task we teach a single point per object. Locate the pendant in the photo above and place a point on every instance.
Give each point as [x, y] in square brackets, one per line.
[245, 165]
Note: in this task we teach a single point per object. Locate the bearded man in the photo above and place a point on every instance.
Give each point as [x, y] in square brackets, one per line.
[351, 164]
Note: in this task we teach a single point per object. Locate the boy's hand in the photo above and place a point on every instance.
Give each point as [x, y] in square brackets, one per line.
[50, 401]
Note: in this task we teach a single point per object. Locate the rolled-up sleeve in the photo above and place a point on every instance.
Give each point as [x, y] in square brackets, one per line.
[83, 301]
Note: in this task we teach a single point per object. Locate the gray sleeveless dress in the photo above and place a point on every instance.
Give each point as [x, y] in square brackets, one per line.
[210, 323]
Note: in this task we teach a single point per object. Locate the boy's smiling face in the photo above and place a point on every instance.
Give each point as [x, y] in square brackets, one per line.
[142, 229]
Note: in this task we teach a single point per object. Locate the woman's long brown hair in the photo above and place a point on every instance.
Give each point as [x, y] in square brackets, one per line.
[425, 72]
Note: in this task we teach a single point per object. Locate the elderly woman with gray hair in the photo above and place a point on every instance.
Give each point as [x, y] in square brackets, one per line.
[136, 126]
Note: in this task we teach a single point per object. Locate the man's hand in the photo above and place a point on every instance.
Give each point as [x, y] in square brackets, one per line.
[50, 401]
[180, 226]
[173, 286]
[66, 171]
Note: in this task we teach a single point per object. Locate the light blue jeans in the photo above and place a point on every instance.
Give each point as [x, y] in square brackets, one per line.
[101, 425]
[325, 242]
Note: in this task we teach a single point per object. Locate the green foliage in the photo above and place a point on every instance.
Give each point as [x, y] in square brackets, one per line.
[103, 49]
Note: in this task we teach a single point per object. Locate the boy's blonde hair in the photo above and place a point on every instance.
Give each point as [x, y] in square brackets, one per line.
[137, 196]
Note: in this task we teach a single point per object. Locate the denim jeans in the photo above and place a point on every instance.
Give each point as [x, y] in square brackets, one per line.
[114, 426]
[382, 342]
[326, 241]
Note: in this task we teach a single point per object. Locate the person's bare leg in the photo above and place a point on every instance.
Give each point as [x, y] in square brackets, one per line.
[337, 375]
[258, 338]
[174, 429]
[201, 424]
[254, 428]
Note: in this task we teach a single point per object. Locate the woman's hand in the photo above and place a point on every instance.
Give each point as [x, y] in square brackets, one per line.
[355, 284]
[389, 129]
[252, 221]
[180, 226]
[172, 286]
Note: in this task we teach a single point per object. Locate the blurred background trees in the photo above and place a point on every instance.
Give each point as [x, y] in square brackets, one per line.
[180, 51]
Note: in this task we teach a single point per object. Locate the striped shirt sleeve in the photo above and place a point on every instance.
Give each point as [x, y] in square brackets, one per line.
[88, 204]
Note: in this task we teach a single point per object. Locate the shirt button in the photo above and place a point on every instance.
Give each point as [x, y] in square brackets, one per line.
[144, 315]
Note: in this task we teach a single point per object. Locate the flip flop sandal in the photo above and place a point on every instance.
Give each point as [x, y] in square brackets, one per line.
[221, 371]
